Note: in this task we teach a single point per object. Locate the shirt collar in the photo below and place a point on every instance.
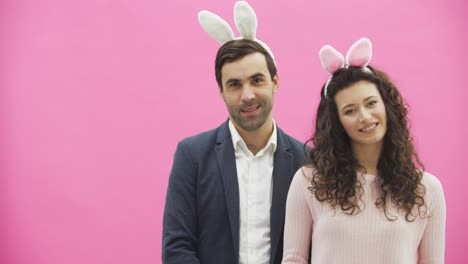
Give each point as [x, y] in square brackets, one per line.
[238, 141]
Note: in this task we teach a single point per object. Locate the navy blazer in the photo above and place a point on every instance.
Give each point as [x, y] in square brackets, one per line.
[201, 217]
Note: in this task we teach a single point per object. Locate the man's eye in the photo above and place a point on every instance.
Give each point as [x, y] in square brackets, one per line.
[258, 80]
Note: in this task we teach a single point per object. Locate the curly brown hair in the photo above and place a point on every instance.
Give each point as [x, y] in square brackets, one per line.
[399, 168]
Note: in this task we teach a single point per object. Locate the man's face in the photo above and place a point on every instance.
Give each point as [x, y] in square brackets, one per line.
[248, 91]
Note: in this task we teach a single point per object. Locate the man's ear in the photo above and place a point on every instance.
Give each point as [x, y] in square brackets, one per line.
[275, 83]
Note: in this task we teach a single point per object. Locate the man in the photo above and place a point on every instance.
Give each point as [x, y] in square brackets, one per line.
[227, 189]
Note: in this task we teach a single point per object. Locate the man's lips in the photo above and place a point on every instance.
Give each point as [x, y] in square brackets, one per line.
[251, 108]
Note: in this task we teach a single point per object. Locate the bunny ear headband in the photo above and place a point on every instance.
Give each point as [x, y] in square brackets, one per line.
[359, 55]
[245, 20]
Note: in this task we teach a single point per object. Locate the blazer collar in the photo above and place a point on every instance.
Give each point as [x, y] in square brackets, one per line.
[227, 166]
[282, 174]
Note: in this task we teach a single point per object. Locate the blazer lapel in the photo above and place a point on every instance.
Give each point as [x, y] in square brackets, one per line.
[227, 165]
[282, 174]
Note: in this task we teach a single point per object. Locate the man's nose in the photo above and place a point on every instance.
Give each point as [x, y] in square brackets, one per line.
[247, 93]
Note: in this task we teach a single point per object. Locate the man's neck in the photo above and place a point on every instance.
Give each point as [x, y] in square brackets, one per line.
[257, 139]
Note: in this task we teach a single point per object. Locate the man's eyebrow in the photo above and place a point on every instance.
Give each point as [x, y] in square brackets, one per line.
[258, 74]
[231, 81]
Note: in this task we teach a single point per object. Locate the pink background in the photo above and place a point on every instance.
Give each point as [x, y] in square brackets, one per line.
[95, 95]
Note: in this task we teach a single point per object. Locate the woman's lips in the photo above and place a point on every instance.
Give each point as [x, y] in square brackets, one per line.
[369, 129]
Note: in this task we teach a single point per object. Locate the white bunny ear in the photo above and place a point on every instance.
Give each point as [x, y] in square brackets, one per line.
[331, 59]
[360, 53]
[215, 26]
[245, 19]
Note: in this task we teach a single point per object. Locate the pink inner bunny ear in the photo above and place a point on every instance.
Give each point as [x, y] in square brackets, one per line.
[360, 53]
[331, 59]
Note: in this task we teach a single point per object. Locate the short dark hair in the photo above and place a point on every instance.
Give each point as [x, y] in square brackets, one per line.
[237, 49]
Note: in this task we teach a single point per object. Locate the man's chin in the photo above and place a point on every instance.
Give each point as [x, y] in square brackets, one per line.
[251, 125]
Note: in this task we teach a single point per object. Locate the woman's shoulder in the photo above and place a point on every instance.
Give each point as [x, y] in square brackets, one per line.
[302, 182]
[303, 176]
[434, 190]
[431, 181]
[306, 172]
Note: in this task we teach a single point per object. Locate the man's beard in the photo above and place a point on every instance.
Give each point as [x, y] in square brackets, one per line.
[251, 124]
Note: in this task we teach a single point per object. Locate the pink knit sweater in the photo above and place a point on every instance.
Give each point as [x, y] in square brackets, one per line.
[367, 237]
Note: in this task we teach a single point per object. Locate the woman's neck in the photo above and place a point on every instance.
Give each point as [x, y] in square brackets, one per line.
[368, 156]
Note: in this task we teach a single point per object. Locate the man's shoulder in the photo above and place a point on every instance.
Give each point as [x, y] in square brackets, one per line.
[202, 145]
[296, 147]
[200, 137]
[205, 138]
[294, 143]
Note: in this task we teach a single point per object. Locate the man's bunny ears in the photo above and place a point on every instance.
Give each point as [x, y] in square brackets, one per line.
[359, 55]
[245, 20]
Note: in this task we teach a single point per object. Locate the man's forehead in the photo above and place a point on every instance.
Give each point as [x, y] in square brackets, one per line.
[245, 67]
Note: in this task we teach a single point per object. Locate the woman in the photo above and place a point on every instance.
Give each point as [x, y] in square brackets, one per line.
[364, 197]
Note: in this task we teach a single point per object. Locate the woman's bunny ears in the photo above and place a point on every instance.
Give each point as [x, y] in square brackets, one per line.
[359, 55]
[245, 20]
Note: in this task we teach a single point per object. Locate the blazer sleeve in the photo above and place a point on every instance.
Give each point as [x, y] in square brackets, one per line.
[432, 245]
[180, 236]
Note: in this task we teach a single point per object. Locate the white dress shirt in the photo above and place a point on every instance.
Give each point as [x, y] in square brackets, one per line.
[254, 174]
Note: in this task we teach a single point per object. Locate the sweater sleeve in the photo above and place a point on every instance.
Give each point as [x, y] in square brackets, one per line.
[432, 245]
[298, 223]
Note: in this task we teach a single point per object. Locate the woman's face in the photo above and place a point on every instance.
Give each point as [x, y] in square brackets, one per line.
[361, 111]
